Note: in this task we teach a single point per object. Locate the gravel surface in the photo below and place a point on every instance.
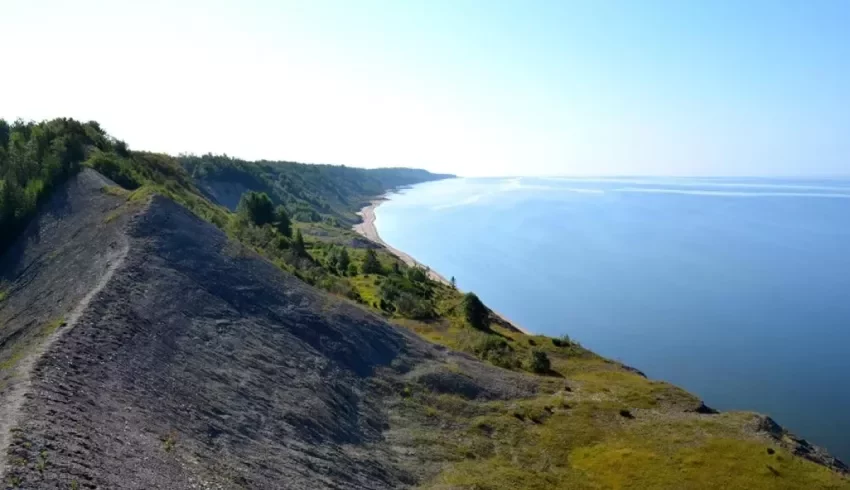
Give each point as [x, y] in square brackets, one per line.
[187, 361]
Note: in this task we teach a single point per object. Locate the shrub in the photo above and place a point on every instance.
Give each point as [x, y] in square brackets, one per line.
[538, 362]
[496, 350]
[414, 307]
[562, 341]
[475, 312]
[115, 168]
[416, 274]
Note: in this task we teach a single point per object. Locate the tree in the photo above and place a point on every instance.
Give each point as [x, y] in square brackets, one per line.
[256, 207]
[282, 221]
[475, 312]
[416, 274]
[538, 362]
[371, 265]
[332, 258]
[5, 130]
[298, 244]
[121, 149]
[34, 159]
[343, 261]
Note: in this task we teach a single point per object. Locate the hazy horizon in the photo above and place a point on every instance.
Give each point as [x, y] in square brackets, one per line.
[534, 89]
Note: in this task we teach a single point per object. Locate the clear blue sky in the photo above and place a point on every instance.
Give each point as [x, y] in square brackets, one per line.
[476, 88]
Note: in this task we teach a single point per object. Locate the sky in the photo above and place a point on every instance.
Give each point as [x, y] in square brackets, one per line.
[486, 88]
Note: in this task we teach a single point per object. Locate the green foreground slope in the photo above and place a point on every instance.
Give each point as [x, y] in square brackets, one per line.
[596, 423]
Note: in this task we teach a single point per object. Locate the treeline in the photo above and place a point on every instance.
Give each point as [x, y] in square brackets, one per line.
[312, 193]
[35, 158]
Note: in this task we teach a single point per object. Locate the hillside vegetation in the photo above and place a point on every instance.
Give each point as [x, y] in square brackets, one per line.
[510, 411]
[312, 193]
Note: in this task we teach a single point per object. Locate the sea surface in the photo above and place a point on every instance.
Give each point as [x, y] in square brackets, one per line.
[737, 290]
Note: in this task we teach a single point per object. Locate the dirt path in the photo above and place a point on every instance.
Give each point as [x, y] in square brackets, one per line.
[16, 396]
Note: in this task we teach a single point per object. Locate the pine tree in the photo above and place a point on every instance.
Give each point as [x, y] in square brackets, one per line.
[371, 265]
[343, 260]
[282, 221]
[298, 244]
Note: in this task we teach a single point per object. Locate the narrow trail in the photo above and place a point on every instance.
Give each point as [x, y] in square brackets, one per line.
[15, 397]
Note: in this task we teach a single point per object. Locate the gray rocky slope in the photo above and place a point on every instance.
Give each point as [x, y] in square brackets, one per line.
[141, 349]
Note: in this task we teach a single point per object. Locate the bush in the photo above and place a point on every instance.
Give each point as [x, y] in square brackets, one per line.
[414, 307]
[115, 168]
[416, 274]
[475, 312]
[496, 350]
[562, 341]
[538, 362]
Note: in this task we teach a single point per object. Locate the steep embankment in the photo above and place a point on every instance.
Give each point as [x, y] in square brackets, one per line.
[195, 364]
[48, 278]
[143, 349]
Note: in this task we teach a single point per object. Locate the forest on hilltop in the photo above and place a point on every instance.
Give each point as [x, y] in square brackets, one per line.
[310, 192]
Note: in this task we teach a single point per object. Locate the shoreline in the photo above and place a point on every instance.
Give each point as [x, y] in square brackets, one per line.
[367, 228]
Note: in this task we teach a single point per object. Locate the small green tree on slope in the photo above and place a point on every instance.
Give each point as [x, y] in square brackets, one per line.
[371, 265]
[298, 244]
[257, 208]
[538, 362]
[343, 261]
[475, 312]
[282, 221]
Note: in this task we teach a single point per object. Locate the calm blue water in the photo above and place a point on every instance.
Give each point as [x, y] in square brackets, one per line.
[737, 290]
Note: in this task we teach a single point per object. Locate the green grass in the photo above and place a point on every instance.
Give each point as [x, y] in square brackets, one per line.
[112, 216]
[716, 463]
[577, 438]
[115, 190]
[169, 441]
[562, 441]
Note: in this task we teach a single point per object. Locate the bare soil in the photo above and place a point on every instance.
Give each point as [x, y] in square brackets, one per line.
[186, 361]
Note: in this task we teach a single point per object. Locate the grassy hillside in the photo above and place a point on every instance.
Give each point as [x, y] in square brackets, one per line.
[312, 193]
[593, 423]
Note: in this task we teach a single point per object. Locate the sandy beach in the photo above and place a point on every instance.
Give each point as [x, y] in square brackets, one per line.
[368, 229]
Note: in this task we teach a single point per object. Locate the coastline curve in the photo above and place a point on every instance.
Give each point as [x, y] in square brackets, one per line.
[368, 229]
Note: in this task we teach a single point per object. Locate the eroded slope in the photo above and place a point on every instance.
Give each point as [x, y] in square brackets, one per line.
[146, 350]
[199, 365]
